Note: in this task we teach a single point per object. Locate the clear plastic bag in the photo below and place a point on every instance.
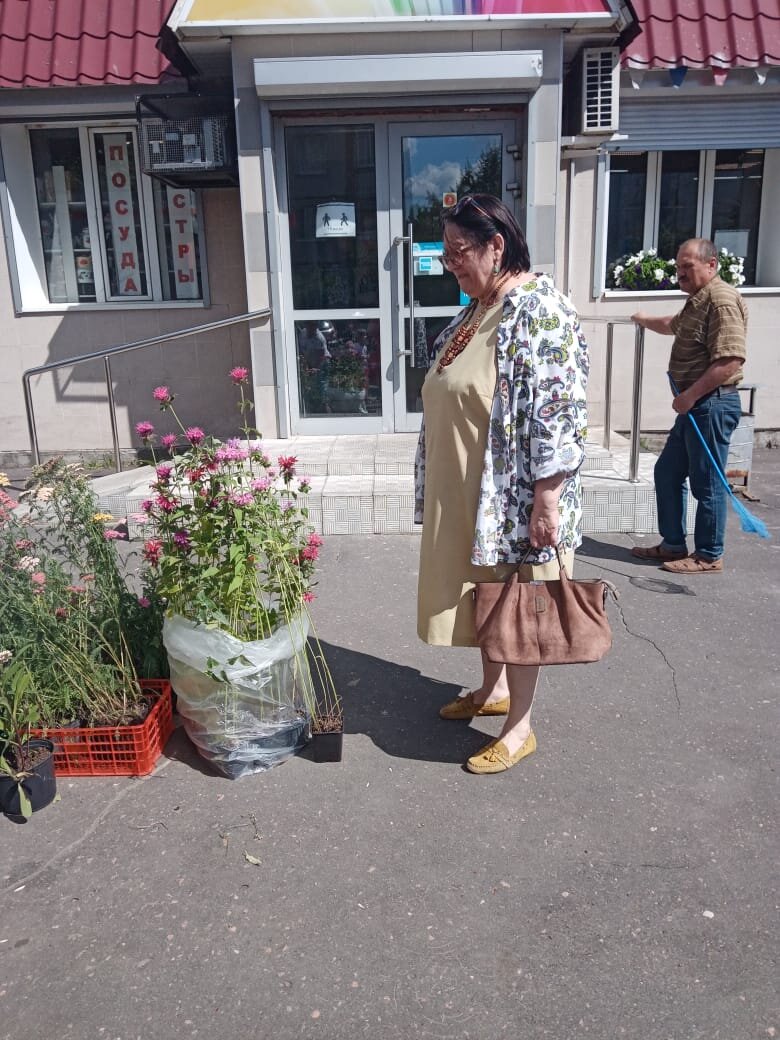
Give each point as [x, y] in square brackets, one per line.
[249, 719]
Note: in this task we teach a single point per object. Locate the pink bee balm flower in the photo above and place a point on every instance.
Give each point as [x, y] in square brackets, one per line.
[239, 374]
[23, 544]
[147, 505]
[304, 487]
[260, 484]
[38, 578]
[287, 464]
[308, 597]
[144, 602]
[165, 503]
[164, 472]
[310, 552]
[315, 539]
[195, 435]
[153, 550]
[162, 394]
[144, 430]
[241, 498]
[168, 441]
[182, 539]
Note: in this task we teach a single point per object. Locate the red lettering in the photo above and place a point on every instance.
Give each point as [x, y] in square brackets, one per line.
[179, 201]
[123, 233]
[130, 286]
[184, 277]
[118, 179]
[181, 226]
[117, 152]
[121, 206]
[183, 249]
[128, 260]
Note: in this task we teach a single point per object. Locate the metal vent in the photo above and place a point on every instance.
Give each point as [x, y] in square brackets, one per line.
[600, 86]
[187, 140]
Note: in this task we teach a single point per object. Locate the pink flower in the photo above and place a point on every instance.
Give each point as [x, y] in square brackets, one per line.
[233, 451]
[144, 602]
[308, 597]
[147, 505]
[304, 487]
[239, 374]
[153, 550]
[60, 612]
[195, 435]
[166, 503]
[168, 441]
[139, 518]
[163, 472]
[38, 578]
[310, 552]
[112, 536]
[23, 544]
[315, 539]
[144, 430]
[182, 539]
[287, 465]
[241, 498]
[76, 590]
[162, 394]
[260, 484]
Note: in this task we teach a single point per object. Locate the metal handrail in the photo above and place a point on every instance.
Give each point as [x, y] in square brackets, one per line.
[106, 354]
[636, 396]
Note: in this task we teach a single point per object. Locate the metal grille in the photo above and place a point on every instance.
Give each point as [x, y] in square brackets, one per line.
[600, 89]
[173, 145]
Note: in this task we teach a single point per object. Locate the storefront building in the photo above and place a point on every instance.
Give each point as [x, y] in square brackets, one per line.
[356, 123]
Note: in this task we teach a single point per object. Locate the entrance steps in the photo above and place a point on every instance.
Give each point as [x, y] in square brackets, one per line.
[365, 485]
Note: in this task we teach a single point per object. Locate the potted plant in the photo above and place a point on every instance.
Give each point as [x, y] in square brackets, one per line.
[87, 642]
[346, 379]
[27, 781]
[233, 555]
[646, 271]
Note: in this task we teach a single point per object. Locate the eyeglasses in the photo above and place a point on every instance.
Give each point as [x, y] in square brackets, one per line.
[460, 205]
[456, 258]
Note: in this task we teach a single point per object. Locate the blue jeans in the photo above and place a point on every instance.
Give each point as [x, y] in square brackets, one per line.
[684, 456]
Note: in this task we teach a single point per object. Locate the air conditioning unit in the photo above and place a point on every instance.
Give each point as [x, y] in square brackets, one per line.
[600, 88]
[188, 140]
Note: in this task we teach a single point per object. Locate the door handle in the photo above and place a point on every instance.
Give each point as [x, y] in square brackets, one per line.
[408, 239]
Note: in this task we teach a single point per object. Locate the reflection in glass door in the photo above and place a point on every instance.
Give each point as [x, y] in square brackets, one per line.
[435, 167]
[331, 197]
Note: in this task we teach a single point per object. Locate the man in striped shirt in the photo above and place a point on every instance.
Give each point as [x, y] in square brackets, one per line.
[706, 366]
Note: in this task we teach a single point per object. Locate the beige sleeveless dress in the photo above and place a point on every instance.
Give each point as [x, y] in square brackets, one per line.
[457, 405]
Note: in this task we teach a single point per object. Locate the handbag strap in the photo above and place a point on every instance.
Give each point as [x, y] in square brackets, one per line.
[561, 565]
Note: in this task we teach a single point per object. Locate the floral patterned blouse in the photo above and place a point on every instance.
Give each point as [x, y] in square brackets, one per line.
[538, 424]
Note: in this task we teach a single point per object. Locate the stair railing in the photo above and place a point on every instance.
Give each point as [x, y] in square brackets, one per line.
[105, 355]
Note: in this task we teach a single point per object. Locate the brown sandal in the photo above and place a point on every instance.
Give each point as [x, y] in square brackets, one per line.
[694, 565]
[656, 553]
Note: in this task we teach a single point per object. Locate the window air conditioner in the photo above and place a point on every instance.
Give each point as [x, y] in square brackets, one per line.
[600, 90]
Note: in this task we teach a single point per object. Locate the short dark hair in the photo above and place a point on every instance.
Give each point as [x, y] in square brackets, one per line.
[481, 217]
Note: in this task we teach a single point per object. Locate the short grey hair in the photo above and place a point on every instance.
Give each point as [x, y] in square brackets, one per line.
[704, 248]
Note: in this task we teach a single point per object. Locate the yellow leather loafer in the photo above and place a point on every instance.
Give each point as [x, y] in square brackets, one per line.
[494, 757]
[465, 708]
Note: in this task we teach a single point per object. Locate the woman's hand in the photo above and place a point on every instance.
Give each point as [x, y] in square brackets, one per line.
[543, 528]
[545, 515]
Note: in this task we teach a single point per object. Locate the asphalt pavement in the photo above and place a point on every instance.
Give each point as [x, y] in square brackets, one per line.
[619, 883]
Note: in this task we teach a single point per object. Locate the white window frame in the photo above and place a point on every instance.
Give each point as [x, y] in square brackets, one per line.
[20, 218]
[707, 158]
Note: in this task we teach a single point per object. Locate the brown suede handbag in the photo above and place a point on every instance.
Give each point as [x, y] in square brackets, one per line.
[543, 622]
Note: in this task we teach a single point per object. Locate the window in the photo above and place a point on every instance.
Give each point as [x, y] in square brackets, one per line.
[659, 199]
[97, 231]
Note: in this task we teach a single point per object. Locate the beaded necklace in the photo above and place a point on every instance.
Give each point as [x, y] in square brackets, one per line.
[464, 333]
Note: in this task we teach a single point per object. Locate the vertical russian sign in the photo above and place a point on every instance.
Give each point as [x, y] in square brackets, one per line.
[180, 217]
[122, 216]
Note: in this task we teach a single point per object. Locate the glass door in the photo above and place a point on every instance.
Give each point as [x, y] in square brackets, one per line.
[431, 167]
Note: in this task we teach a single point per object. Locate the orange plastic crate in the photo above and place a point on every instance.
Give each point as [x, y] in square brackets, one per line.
[116, 750]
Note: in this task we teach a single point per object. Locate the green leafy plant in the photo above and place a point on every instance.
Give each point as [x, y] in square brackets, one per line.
[347, 372]
[230, 544]
[61, 579]
[647, 271]
[18, 715]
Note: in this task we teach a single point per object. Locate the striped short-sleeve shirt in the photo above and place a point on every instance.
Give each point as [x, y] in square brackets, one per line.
[711, 325]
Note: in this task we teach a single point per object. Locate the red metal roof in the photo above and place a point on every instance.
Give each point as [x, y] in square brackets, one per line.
[67, 43]
[701, 34]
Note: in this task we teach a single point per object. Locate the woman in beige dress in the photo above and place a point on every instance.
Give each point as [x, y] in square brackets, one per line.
[502, 442]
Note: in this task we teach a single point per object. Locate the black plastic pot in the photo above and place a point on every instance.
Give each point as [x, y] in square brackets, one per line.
[40, 787]
[327, 747]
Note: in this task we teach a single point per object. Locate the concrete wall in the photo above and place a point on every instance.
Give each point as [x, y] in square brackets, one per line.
[70, 405]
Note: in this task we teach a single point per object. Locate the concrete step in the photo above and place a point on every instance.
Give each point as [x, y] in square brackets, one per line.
[365, 485]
